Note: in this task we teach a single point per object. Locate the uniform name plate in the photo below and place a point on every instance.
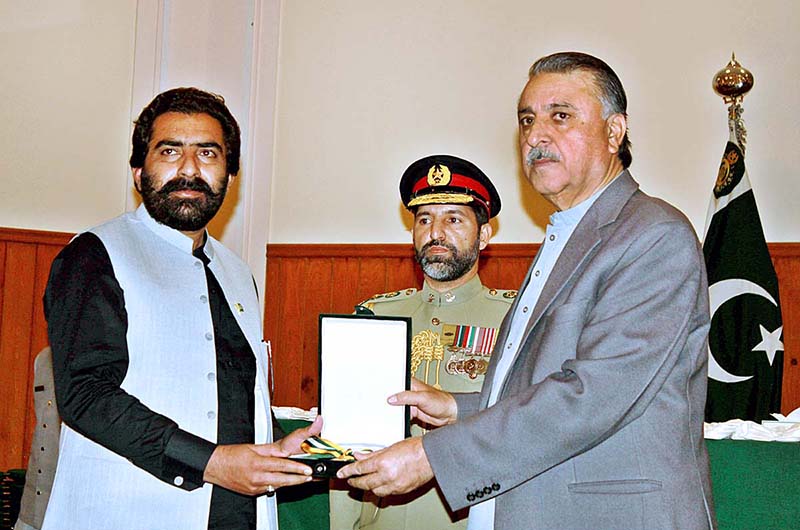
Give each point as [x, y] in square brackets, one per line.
[363, 359]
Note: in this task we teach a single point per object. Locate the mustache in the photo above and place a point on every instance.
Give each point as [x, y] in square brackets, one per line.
[437, 243]
[538, 153]
[182, 183]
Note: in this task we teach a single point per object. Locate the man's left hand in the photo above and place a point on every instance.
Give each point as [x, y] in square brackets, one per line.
[399, 468]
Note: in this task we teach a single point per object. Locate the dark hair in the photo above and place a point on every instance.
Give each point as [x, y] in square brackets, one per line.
[611, 94]
[187, 101]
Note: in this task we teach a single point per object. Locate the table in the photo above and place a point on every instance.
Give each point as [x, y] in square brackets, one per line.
[756, 486]
[303, 507]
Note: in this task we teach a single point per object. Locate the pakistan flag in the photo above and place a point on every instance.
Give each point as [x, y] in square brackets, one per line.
[745, 363]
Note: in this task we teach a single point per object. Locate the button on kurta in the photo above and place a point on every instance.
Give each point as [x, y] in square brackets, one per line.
[178, 481]
[211, 376]
[198, 265]
[435, 321]
[211, 415]
[209, 336]
[203, 298]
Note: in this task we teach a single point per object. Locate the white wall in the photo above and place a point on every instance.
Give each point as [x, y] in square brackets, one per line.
[366, 87]
[205, 44]
[65, 103]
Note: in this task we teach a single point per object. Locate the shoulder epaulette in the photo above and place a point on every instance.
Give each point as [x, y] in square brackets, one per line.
[504, 295]
[389, 297]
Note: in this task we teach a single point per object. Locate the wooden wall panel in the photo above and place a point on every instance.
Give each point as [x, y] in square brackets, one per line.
[786, 258]
[371, 276]
[318, 299]
[302, 281]
[358, 271]
[282, 318]
[3, 247]
[345, 280]
[15, 345]
[25, 257]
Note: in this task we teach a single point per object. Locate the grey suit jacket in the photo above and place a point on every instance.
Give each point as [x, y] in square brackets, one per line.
[44, 446]
[599, 423]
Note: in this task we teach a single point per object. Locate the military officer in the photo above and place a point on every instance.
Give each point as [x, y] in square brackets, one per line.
[454, 318]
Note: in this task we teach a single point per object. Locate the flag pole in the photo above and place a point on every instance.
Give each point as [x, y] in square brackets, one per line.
[745, 360]
[732, 83]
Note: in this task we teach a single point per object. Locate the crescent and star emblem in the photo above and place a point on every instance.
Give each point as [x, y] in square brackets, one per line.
[726, 290]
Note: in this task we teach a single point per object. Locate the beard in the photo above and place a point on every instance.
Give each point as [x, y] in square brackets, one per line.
[183, 214]
[446, 268]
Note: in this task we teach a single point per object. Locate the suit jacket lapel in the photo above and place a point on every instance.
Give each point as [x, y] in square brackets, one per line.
[587, 235]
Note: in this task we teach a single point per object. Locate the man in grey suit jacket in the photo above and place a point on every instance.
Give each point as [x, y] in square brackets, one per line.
[44, 446]
[591, 414]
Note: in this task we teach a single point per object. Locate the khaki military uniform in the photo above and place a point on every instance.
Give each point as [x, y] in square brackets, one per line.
[452, 338]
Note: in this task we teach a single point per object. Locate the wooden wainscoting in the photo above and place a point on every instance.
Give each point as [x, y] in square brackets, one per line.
[786, 258]
[25, 257]
[305, 280]
[302, 281]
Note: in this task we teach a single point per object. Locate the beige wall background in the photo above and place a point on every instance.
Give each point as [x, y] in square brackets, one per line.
[367, 87]
[65, 99]
[336, 98]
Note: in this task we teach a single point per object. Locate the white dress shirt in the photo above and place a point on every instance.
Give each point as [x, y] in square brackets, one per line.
[557, 234]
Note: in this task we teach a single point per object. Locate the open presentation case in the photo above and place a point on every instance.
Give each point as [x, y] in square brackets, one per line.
[363, 359]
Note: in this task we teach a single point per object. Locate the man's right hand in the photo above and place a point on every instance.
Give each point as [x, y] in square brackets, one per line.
[252, 469]
[428, 404]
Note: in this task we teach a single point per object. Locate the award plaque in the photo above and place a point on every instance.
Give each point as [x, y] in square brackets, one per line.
[363, 359]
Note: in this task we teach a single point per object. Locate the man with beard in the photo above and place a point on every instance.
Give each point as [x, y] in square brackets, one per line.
[159, 364]
[454, 318]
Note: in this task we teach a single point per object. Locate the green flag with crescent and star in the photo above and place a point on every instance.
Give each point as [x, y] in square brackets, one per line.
[745, 363]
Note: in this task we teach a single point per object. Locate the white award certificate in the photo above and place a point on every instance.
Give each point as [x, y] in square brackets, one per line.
[363, 360]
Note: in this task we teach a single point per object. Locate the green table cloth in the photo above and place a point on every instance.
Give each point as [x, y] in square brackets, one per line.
[756, 486]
